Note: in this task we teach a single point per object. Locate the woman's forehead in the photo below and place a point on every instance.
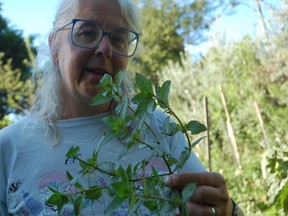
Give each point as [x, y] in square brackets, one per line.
[105, 12]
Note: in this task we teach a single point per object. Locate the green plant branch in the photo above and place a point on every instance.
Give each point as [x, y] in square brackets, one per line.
[149, 196]
[167, 164]
[94, 167]
[131, 109]
[177, 118]
[149, 177]
[138, 140]
[120, 128]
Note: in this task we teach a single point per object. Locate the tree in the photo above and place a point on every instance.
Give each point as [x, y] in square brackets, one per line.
[13, 46]
[15, 94]
[159, 37]
[16, 59]
[249, 69]
[170, 24]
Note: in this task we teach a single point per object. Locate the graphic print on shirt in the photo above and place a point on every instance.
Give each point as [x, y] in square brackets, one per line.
[21, 203]
[14, 186]
[27, 205]
[59, 181]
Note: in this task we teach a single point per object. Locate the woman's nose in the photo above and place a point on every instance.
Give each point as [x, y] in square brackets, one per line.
[104, 48]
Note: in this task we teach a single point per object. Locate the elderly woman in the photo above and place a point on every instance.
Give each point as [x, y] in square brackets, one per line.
[90, 38]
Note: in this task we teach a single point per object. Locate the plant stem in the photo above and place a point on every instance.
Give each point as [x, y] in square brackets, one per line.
[131, 109]
[177, 118]
[94, 167]
[167, 164]
[149, 196]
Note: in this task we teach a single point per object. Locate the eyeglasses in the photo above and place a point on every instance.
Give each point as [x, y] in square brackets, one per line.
[88, 34]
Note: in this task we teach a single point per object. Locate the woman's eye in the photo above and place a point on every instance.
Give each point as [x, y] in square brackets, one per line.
[119, 40]
[87, 33]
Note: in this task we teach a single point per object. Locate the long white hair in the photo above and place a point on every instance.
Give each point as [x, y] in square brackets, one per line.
[49, 104]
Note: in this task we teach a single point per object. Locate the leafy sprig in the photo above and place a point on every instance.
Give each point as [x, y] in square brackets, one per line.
[149, 191]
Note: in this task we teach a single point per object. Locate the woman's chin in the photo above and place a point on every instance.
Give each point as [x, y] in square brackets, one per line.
[92, 92]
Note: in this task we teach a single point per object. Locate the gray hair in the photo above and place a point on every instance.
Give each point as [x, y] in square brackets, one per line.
[49, 104]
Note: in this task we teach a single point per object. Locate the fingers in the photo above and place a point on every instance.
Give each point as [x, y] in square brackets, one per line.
[210, 194]
[198, 209]
[204, 178]
[206, 195]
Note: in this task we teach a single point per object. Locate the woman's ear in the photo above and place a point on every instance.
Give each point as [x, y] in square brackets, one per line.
[53, 46]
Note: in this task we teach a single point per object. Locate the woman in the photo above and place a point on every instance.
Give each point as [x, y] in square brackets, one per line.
[90, 39]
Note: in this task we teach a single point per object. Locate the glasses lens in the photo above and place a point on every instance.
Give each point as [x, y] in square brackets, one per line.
[86, 34]
[124, 42]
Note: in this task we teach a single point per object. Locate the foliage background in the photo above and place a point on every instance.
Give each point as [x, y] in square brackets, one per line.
[250, 69]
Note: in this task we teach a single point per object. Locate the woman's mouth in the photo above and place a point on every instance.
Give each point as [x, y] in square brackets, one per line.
[99, 72]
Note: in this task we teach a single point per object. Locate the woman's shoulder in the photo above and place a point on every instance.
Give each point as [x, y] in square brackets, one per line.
[15, 128]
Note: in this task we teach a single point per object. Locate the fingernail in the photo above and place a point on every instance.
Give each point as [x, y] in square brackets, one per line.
[170, 180]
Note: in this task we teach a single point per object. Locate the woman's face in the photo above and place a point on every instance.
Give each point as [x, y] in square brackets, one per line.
[81, 69]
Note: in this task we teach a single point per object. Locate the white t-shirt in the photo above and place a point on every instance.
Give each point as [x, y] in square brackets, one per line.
[32, 158]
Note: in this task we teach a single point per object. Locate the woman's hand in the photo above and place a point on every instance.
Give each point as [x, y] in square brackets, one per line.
[210, 196]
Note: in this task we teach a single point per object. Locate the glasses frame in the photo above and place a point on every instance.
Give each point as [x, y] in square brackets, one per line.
[104, 33]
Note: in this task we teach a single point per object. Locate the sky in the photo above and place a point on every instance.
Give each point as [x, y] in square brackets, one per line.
[36, 17]
[31, 16]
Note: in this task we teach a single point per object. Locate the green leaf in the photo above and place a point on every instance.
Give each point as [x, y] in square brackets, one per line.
[188, 191]
[145, 103]
[102, 97]
[134, 205]
[165, 208]
[142, 97]
[121, 189]
[171, 129]
[78, 205]
[197, 141]
[53, 190]
[94, 193]
[108, 166]
[151, 107]
[145, 106]
[282, 198]
[183, 158]
[57, 199]
[152, 187]
[85, 167]
[115, 204]
[118, 79]
[94, 159]
[107, 136]
[172, 161]
[74, 181]
[73, 152]
[129, 171]
[150, 204]
[195, 127]
[144, 84]
[106, 82]
[155, 173]
[137, 167]
[163, 93]
[122, 107]
[117, 125]
[122, 174]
